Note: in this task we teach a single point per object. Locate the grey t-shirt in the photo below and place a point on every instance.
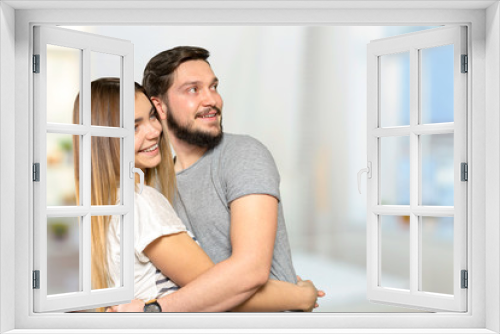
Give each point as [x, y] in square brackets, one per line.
[238, 166]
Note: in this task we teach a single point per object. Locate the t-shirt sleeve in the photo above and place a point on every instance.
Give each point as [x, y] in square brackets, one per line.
[247, 167]
[154, 218]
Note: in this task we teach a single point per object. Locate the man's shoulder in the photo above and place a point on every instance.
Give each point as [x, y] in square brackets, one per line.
[243, 151]
[231, 141]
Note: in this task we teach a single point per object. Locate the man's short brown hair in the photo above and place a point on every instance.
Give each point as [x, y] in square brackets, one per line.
[158, 74]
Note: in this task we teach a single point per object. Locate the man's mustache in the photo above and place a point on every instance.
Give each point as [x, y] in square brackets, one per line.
[208, 109]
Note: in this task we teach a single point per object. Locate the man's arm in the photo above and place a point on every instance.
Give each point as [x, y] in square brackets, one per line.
[274, 296]
[282, 296]
[254, 221]
[232, 281]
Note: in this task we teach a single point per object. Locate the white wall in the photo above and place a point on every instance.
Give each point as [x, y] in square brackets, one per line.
[7, 171]
[492, 163]
[336, 16]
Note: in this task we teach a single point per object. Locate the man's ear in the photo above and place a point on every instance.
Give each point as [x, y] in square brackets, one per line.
[161, 108]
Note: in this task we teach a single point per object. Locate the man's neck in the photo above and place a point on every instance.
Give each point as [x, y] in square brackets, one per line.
[186, 154]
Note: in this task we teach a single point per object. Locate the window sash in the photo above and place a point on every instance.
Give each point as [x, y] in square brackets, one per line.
[86, 298]
[412, 43]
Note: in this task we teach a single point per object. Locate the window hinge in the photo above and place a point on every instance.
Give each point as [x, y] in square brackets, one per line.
[465, 64]
[36, 172]
[36, 63]
[464, 172]
[36, 279]
[465, 279]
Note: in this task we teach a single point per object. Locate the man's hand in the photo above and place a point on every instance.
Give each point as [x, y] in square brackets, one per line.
[312, 294]
[135, 305]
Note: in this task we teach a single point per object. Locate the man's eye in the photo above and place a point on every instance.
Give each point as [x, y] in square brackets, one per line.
[136, 128]
[193, 90]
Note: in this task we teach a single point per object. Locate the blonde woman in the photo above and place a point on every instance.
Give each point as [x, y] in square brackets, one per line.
[156, 226]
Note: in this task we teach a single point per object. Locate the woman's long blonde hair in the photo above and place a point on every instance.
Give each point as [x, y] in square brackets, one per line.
[105, 109]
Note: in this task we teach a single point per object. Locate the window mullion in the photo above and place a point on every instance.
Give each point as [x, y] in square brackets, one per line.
[77, 129]
[127, 188]
[74, 211]
[414, 171]
[431, 129]
[421, 211]
[87, 173]
[86, 226]
[85, 96]
[85, 274]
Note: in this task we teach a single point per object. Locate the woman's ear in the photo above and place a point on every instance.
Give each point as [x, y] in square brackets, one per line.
[161, 108]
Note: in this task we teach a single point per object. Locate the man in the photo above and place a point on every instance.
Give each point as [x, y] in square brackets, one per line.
[228, 185]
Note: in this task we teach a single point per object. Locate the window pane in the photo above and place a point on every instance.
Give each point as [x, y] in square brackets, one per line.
[63, 255]
[395, 170]
[395, 89]
[437, 84]
[106, 67]
[106, 252]
[437, 254]
[61, 188]
[395, 252]
[437, 169]
[105, 170]
[63, 82]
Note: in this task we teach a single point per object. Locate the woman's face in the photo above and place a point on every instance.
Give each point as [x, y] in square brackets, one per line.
[147, 133]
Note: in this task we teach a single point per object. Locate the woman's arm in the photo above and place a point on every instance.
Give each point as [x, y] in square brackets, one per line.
[183, 260]
[178, 257]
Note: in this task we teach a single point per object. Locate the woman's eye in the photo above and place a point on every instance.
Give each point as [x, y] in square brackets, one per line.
[136, 128]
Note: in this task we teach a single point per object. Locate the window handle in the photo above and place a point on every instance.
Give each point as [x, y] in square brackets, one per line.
[368, 171]
[139, 171]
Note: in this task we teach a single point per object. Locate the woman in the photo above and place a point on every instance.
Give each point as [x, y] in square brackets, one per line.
[182, 260]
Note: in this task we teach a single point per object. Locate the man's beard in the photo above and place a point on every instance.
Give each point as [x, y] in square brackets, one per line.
[193, 137]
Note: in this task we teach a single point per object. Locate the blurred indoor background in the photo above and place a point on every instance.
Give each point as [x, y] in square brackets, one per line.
[302, 92]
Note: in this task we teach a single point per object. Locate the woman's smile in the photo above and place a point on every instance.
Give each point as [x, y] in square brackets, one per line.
[148, 132]
[152, 150]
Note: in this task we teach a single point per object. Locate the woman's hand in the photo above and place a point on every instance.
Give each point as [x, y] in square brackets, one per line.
[135, 305]
[311, 294]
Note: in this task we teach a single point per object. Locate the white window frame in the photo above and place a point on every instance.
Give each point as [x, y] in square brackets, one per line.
[414, 296]
[483, 20]
[85, 43]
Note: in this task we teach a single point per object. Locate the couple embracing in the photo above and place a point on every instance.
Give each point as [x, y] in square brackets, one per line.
[209, 232]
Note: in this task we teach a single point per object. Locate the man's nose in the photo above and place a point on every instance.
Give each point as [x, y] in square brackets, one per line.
[209, 97]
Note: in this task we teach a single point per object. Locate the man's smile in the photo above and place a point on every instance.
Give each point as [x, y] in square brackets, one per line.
[209, 115]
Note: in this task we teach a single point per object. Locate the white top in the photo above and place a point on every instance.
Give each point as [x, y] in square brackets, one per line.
[153, 217]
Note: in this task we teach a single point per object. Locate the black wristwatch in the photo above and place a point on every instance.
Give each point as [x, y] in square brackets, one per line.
[152, 306]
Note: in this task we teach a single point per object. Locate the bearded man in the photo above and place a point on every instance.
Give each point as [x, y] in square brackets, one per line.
[228, 185]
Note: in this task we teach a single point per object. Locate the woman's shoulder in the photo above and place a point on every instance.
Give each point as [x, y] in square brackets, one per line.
[153, 203]
[150, 194]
